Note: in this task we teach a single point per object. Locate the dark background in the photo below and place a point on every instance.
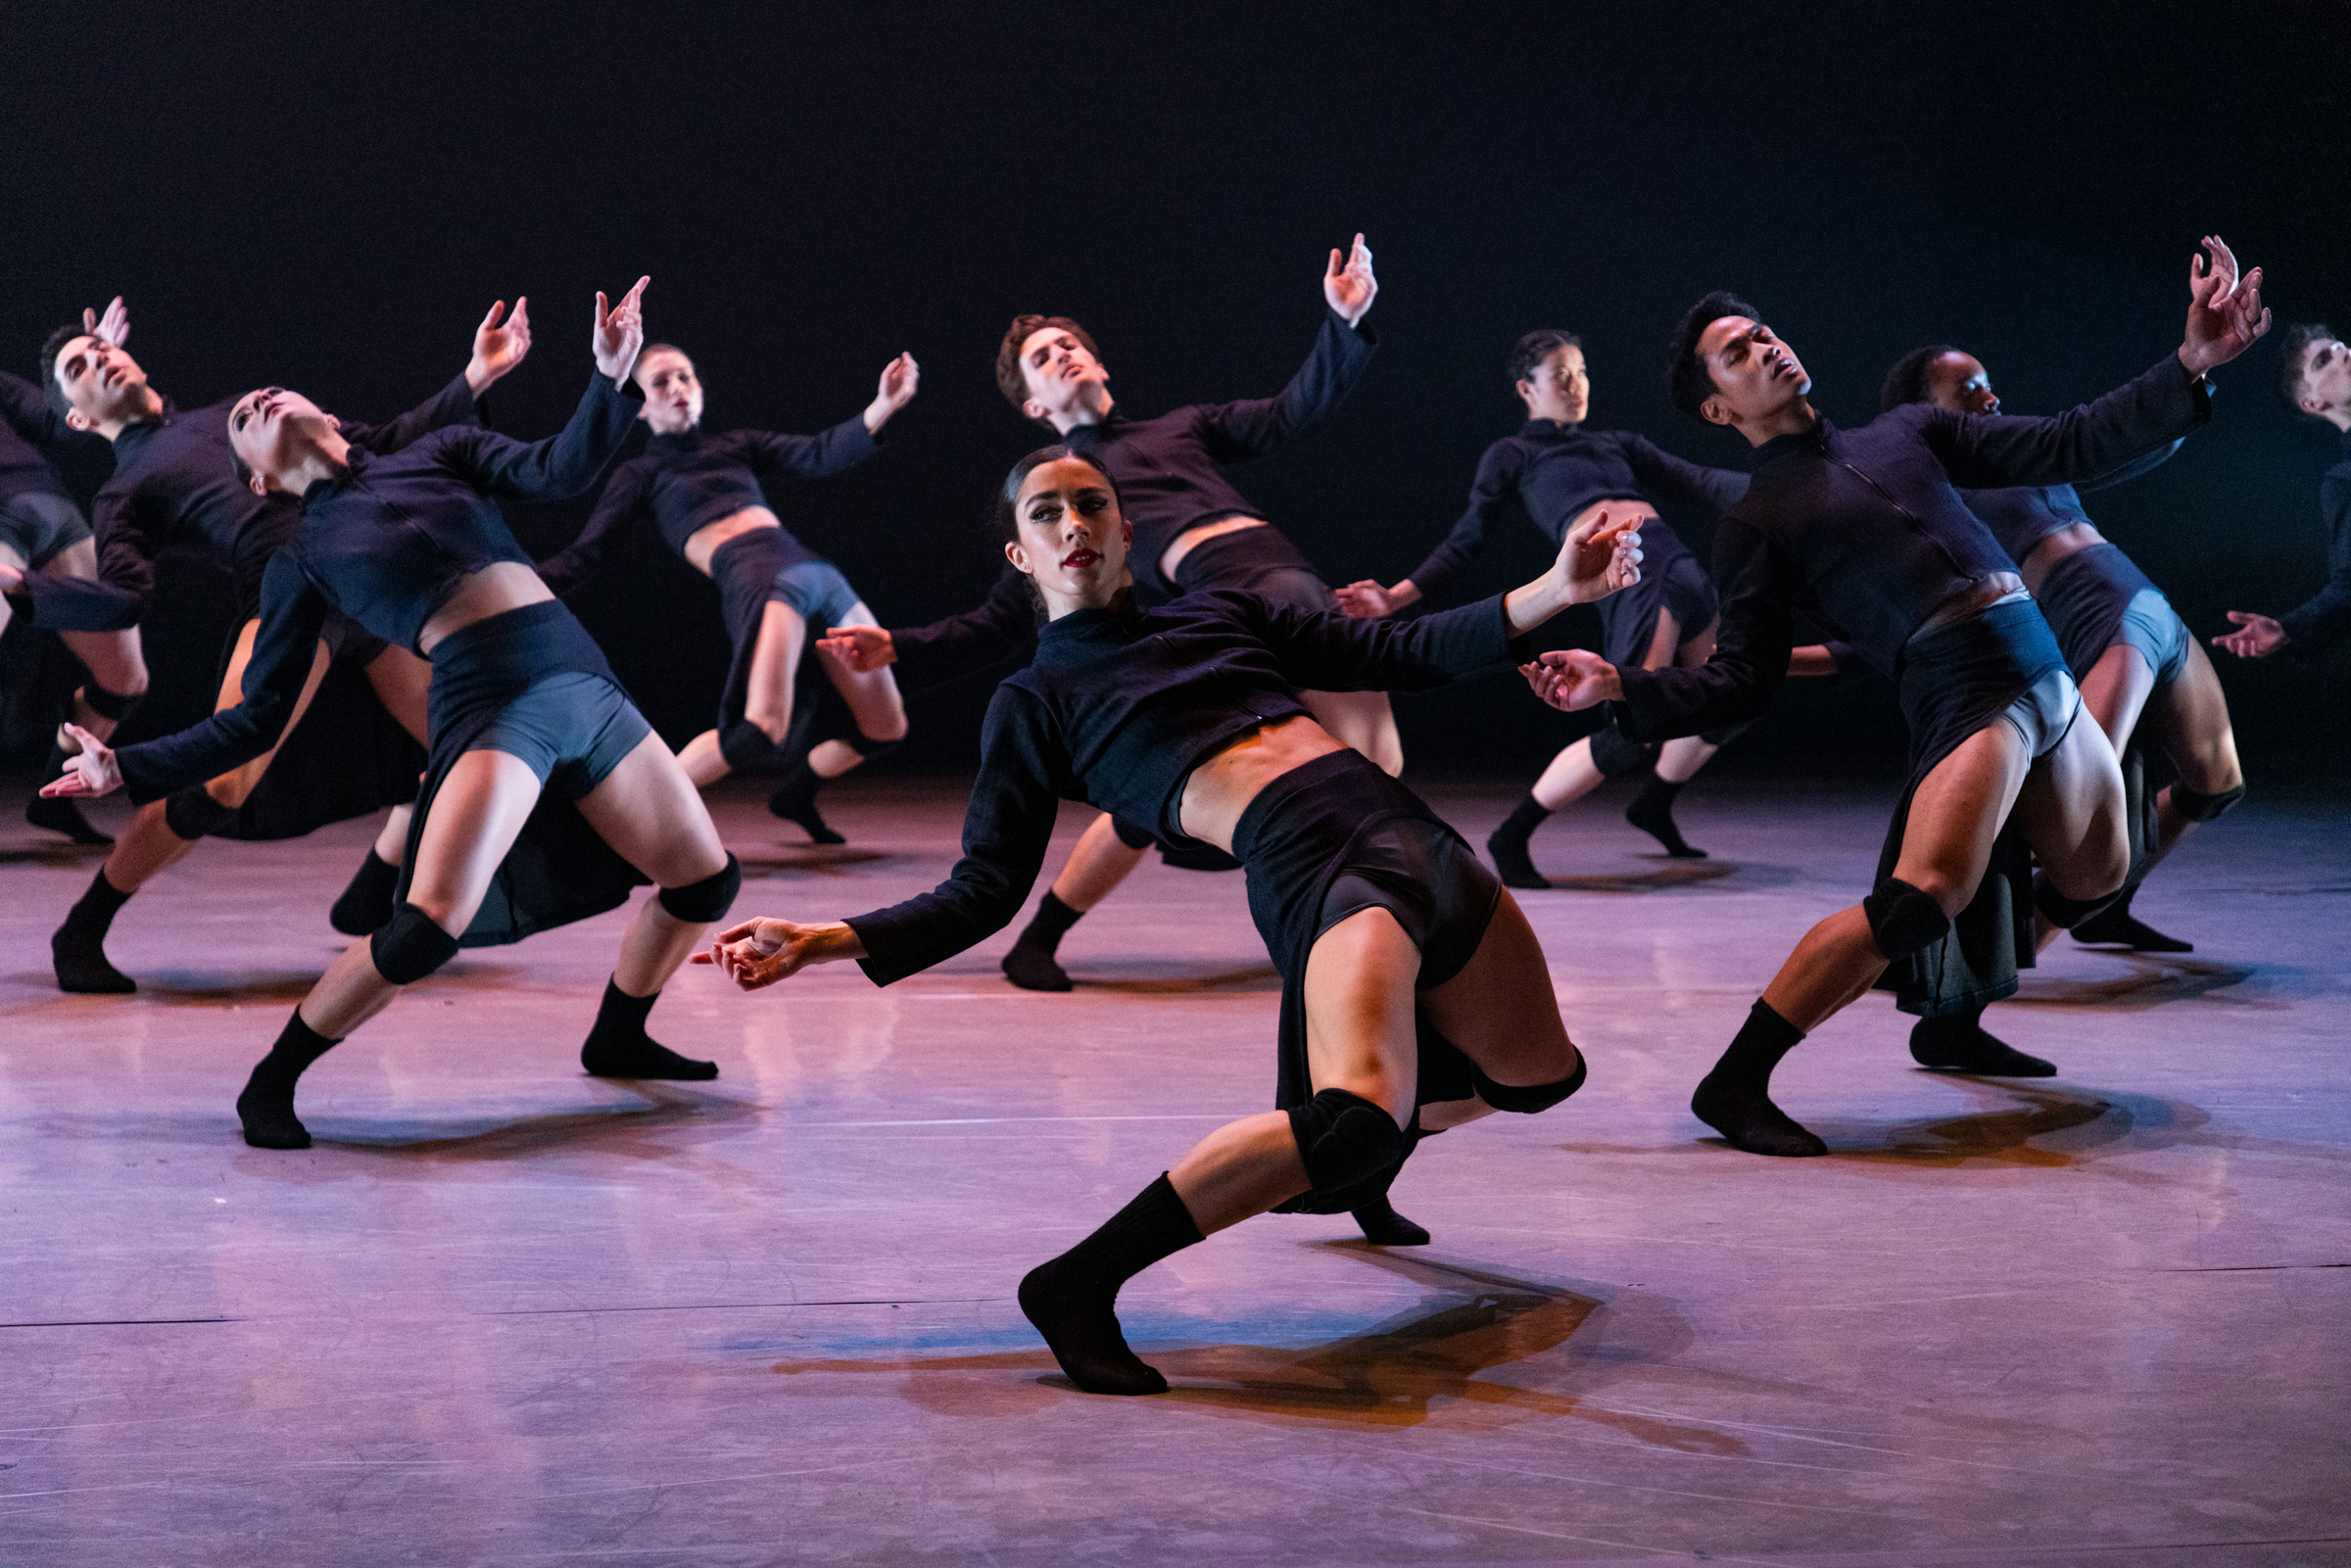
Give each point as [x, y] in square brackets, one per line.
[329, 199]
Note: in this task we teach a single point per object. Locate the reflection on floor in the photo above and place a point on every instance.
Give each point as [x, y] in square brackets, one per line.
[503, 1313]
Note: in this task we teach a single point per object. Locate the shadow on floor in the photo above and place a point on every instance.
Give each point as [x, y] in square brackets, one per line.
[1255, 978]
[617, 1129]
[56, 853]
[1671, 874]
[807, 860]
[2153, 980]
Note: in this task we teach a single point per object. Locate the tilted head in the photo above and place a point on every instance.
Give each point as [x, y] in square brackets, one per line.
[673, 393]
[1725, 366]
[1059, 514]
[272, 433]
[1546, 367]
[2314, 373]
[1939, 374]
[1048, 364]
[93, 382]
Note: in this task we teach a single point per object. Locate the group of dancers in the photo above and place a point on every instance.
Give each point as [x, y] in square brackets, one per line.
[1187, 672]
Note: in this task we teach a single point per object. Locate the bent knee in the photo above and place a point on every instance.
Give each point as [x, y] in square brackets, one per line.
[891, 726]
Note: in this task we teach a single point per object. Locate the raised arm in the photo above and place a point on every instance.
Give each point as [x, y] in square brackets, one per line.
[623, 499]
[1669, 478]
[1494, 500]
[283, 650]
[829, 451]
[1002, 626]
[1342, 352]
[562, 465]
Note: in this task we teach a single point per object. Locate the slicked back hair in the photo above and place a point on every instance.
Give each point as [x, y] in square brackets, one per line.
[1010, 380]
[51, 347]
[1537, 345]
[1906, 382]
[1004, 522]
[2292, 350]
[1687, 378]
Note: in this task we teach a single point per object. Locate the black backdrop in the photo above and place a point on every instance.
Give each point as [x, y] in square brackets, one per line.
[329, 199]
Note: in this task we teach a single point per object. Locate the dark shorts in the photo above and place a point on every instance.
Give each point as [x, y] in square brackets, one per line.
[348, 643]
[2096, 598]
[817, 591]
[36, 523]
[1432, 882]
[1628, 617]
[572, 729]
[1261, 560]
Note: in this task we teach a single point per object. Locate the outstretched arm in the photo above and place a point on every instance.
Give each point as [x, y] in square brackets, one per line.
[1342, 352]
[1000, 627]
[567, 463]
[1494, 500]
[497, 349]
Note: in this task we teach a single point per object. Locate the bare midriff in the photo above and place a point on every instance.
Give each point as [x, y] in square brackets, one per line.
[704, 542]
[2071, 539]
[495, 588]
[1191, 538]
[1219, 789]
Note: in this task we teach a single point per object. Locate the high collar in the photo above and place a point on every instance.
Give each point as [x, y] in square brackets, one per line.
[2347, 446]
[1114, 621]
[1810, 443]
[1549, 427]
[676, 442]
[138, 429]
[319, 490]
[1079, 438]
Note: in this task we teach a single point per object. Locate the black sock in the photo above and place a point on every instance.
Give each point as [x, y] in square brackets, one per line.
[1651, 811]
[368, 902]
[618, 1047]
[2116, 926]
[78, 947]
[1735, 1099]
[58, 814]
[794, 800]
[1959, 1044]
[1073, 1300]
[1031, 964]
[266, 1107]
[1508, 844]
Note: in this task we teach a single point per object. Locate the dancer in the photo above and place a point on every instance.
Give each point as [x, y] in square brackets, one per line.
[1865, 529]
[1553, 471]
[1410, 978]
[2128, 650]
[412, 543]
[172, 486]
[703, 493]
[2314, 379]
[46, 546]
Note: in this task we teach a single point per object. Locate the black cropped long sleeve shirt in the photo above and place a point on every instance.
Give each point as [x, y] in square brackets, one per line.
[2021, 517]
[33, 438]
[687, 480]
[2324, 618]
[385, 542]
[1865, 531]
[1549, 474]
[1118, 708]
[1170, 469]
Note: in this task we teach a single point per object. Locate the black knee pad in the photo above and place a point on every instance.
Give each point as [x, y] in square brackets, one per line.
[1616, 757]
[708, 899]
[1133, 836]
[2203, 808]
[191, 814]
[1527, 1098]
[114, 704]
[2063, 911]
[1343, 1137]
[409, 945]
[747, 749]
[1902, 921]
[866, 746]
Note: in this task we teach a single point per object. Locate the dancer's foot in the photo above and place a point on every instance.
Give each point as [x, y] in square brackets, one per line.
[1508, 844]
[1961, 1045]
[80, 957]
[1035, 969]
[1383, 1226]
[2115, 925]
[266, 1109]
[794, 800]
[1651, 811]
[1079, 1321]
[617, 1046]
[368, 902]
[1747, 1119]
[62, 816]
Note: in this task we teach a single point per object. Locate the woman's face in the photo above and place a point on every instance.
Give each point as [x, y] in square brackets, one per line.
[673, 393]
[1071, 540]
[272, 430]
[1560, 387]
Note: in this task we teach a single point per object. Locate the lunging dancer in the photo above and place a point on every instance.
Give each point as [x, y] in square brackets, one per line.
[2314, 379]
[2129, 651]
[1410, 978]
[172, 487]
[1552, 474]
[46, 549]
[1866, 530]
[703, 493]
[413, 545]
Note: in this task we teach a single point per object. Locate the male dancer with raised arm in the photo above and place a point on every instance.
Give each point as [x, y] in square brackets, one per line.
[2314, 379]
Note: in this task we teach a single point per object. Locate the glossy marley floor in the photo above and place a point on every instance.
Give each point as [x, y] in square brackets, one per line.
[508, 1313]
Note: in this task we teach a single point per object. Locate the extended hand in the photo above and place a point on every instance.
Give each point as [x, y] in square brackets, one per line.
[498, 350]
[1599, 555]
[619, 331]
[2256, 637]
[2224, 313]
[1569, 679]
[112, 327]
[899, 379]
[1367, 599]
[761, 952]
[860, 649]
[90, 772]
[1349, 288]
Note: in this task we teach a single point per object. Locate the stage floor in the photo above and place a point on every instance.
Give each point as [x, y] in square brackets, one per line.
[508, 1313]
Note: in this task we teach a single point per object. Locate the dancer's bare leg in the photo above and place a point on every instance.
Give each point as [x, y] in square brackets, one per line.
[2190, 718]
[767, 699]
[401, 683]
[874, 703]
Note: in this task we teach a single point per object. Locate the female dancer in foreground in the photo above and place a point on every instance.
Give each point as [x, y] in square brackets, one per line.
[1867, 528]
[702, 492]
[1552, 473]
[411, 545]
[1410, 979]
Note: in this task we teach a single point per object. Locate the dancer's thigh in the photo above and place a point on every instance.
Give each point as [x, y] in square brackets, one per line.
[2115, 689]
[401, 681]
[650, 814]
[873, 697]
[474, 819]
[1956, 813]
[1360, 1030]
[1500, 1011]
[2071, 813]
[2190, 720]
